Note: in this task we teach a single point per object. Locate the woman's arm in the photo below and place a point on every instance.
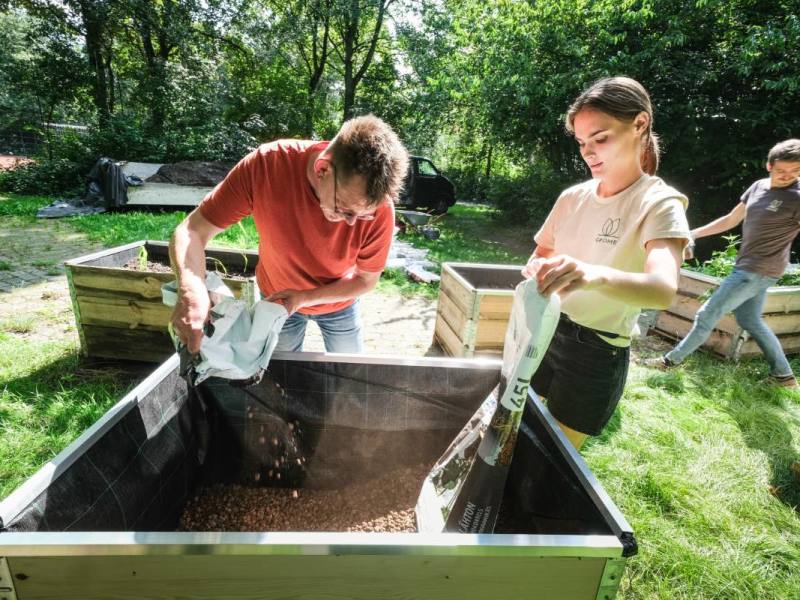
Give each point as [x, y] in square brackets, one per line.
[655, 288]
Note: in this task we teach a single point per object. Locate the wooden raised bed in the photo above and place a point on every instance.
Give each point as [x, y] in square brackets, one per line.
[119, 312]
[728, 340]
[474, 307]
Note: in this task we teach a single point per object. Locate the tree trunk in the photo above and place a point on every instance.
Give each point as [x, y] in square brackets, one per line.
[94, 47]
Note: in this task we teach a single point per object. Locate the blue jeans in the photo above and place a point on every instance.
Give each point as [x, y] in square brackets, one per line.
[341, 331]
[743, 293]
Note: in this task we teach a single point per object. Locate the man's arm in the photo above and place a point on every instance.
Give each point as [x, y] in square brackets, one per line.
[346, 288]
[729, 221]
[187, 252]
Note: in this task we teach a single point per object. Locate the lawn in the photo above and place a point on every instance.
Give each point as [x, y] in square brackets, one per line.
[698, 459]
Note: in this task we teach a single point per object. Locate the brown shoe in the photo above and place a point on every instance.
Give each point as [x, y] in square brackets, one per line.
[661, 363]
[790, 381]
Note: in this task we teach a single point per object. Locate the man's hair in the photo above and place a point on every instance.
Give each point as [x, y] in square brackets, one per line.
[786, 150]
[368, 147]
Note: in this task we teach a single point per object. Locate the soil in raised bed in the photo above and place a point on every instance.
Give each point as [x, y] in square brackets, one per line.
[384, 504]
[157, 267]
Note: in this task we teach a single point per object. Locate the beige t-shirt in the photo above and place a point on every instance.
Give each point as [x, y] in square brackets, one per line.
[612, 231]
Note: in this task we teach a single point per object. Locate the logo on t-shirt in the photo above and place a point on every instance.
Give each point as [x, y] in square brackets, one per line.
[609, 234]
[775, 205]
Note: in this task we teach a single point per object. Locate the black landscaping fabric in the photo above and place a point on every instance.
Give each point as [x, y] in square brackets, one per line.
[318, 424]
[199, 173]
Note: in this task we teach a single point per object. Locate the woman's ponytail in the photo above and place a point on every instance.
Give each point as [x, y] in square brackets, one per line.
[650, 153]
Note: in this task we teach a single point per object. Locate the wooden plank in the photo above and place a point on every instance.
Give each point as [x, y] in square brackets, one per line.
[128, 344]
[491, 333]
[687, 307]
[273, 577]
[464, 298]
[783, 323]
[123, 313]
[129, 284]
[782, 300]
[453, 315]
[789, 342]
[142, 284]
[697, 284]
[166, 194]
[109, 257]
[779, 323]
[449, 340]
[779, 299]
[76, 311]
[495, 307]
[488, 352]
[676, 328]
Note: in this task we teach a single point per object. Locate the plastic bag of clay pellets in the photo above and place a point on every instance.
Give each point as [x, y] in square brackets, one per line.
[463, 491]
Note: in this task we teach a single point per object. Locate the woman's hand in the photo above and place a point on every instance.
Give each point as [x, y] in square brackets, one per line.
[562, 274]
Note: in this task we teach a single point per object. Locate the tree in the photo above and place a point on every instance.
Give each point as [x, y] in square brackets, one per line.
[356, 25]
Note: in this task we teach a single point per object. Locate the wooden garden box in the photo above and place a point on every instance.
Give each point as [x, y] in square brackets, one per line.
[119, 312]
[728, 340]
[474, 307]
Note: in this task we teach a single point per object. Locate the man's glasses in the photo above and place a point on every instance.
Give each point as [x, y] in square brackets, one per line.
[346, 214]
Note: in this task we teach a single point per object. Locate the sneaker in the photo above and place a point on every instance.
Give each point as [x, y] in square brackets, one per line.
[660, 362]
[788, 381]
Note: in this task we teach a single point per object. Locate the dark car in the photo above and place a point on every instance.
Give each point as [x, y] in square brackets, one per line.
[425, 188]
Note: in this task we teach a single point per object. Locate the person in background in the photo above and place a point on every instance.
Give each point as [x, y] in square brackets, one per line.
[770, 209]
[325, 220]
[610, 247]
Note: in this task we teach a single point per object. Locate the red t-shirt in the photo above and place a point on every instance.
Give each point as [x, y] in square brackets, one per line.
[298, 247]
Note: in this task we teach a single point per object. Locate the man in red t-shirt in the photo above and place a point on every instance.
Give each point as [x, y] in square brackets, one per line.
[325, 221]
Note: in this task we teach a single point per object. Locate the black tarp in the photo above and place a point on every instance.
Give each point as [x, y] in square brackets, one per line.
[351, 421]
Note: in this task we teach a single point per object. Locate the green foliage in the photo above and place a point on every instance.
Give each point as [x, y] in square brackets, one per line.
[722, 262]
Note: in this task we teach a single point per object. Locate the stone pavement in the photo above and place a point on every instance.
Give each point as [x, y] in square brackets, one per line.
[35, 302]
[36, 253]
[34, 295]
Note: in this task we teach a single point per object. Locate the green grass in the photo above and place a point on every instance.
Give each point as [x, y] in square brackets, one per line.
[690, 458]
[5, 265]
[48, 397]
[474, 233]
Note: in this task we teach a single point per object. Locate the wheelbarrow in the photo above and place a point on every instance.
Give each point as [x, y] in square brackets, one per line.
[413, 221]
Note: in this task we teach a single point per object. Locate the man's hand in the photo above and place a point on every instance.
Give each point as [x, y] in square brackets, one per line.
[564, 274]
[292, 300]
[191, 313]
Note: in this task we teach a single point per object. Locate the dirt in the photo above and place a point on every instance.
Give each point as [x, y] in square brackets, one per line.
[156, 267]
[192, 173]
[384, 504]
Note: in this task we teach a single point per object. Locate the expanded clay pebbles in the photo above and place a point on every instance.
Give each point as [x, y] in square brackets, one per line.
[384, 504]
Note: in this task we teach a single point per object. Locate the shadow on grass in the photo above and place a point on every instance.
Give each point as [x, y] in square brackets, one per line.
[762, 417]
[76, 378]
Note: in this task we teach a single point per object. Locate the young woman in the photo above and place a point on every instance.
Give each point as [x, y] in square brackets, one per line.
[610, 247]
